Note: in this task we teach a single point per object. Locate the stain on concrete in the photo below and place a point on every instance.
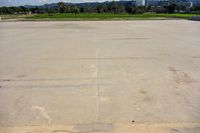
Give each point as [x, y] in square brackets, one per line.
[72, 26]
[186, 130]
[129, 38]
[6, 80]
[196, 57]
[94, 127]
[174, 130]
[143, 92]
[180, 77]
[21, 76]
[147, 99]
[64, 131]
[177, 94]
[43, 113]
[35, 132]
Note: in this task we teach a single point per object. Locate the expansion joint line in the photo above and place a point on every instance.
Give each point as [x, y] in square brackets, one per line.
[97, 83]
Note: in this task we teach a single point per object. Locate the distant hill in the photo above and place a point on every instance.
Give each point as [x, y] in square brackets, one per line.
[125, 6]
[86, 4]
[121, 2]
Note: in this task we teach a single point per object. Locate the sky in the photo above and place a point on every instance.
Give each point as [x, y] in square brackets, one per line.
[40, 2]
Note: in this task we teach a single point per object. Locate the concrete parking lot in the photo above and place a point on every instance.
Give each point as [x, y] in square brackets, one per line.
[100, 76]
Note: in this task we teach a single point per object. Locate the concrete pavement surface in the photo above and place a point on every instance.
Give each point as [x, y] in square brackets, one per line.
[100, 76]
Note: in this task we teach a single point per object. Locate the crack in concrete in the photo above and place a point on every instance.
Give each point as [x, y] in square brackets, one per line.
[51, 86]
[97, 83]
[109, 58]
[59, 79]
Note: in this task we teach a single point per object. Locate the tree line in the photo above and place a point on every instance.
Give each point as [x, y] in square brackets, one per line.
[108, 7]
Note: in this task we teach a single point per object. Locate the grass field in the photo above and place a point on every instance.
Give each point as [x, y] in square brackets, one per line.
[93, 16]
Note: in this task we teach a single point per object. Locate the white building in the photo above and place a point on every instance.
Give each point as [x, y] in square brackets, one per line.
[138, 2]
[141, 2]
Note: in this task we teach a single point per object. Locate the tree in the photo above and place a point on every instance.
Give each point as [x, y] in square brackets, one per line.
[74, 9]
[113, 7]
[62, 7]
[131, 9]
[99, 9]
[171, 8]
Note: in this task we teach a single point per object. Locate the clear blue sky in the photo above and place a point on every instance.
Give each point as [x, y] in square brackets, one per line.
[39, 2]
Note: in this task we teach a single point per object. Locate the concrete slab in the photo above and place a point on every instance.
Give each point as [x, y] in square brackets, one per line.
[100, 76]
